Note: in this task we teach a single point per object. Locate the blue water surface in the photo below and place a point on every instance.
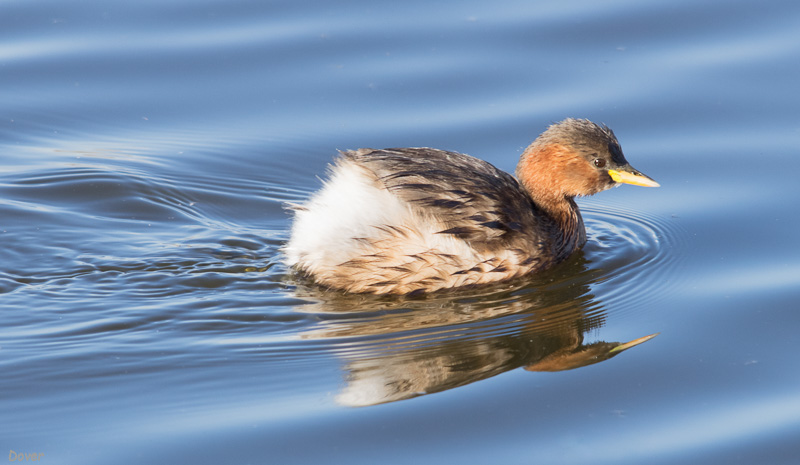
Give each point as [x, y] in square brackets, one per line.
[148, 151]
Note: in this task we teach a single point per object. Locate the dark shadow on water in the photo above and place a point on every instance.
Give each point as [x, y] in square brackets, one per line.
[394, 349]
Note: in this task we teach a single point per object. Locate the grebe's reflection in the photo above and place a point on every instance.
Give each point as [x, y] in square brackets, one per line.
[397, 349]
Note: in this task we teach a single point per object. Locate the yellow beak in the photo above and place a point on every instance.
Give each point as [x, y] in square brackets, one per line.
[632, 177]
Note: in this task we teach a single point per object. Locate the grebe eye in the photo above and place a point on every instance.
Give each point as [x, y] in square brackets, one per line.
[599, 162]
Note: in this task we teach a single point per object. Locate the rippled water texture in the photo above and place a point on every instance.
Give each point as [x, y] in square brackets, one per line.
[148, 151]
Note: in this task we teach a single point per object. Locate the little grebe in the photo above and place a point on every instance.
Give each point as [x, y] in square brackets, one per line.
[397, 221]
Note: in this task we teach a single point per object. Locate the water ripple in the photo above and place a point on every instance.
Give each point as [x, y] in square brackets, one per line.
[635, 255]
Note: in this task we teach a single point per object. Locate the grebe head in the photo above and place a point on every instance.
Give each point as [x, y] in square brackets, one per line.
[576, 157]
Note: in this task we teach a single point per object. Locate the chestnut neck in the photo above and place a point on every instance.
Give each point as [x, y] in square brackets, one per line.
[541, 171]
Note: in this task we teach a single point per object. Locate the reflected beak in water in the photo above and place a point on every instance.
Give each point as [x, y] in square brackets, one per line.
[632, 343]
[581, 356]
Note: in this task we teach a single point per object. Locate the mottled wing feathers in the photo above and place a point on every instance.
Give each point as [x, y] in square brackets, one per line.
[470, 198]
